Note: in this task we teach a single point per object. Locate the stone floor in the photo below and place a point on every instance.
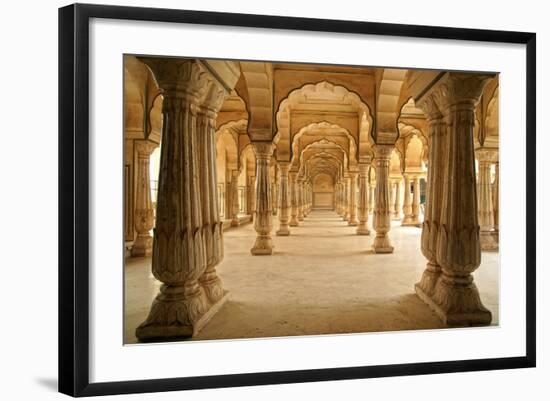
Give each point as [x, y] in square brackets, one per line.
[321, 279]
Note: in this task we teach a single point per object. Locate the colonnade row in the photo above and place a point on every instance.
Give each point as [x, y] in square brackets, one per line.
[188, 241]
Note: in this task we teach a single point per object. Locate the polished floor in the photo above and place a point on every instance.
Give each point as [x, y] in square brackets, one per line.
[321, 279]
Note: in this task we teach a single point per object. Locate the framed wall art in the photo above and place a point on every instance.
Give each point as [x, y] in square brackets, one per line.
[250, 199]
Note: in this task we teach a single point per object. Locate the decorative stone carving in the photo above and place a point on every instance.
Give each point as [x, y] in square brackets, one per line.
[455, 297]
[362, 228]
[144, 217]
[284, 200]
[263, 214]
[381, 215]
[352, 182]
[188, 241]
[234, 194]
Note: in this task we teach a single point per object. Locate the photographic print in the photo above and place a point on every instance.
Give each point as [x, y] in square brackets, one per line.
[275, 199]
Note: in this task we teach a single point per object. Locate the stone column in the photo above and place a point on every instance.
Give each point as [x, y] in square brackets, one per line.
[234, 196]
[345, 199]
[485, 200]
[262, 213]
[455, 297]
[293, 199]
[300, 193]
[352, 182]
[381, 215]
[407, 204]
[415, 208]
[397, 208]
[284, 200]
[144, 217]
[362, 228]
[188, 241]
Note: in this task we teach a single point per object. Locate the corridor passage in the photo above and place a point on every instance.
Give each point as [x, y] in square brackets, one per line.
[323, 278]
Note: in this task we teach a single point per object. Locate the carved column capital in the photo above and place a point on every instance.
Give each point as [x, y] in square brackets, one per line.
[382, 154]
[263, 150]
[144, 148]
[186, 79]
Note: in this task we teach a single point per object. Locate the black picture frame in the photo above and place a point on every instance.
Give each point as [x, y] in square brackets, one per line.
[74, 194]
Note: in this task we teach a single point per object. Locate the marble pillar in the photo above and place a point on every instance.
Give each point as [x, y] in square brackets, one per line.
[293, 199]
[455, 297]
[284, 200]
[234, 198]
[362, 228]
[188, 241]
[392, 198]
[407, 203]
[144, 217]
[262, 214]
[381, 215]
[352, 221]
[485, 199]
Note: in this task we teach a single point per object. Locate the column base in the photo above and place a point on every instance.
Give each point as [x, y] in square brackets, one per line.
[235, 222]
[301, 218]
[362, 229]
[262, 246]
[382, 244]
[456, 306]
[143, 246]
[293, 222]
[488, 241]
[352, 221]
[283, 231]
[164, 320]
[396, 217]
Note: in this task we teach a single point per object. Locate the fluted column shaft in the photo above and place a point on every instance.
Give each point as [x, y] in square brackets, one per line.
[234, 198]
[188, 241]
[284, 200]
[392, 198]
[144, 217]
[263, 214]
[363, 208]
[381, 215]
[455, 297]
